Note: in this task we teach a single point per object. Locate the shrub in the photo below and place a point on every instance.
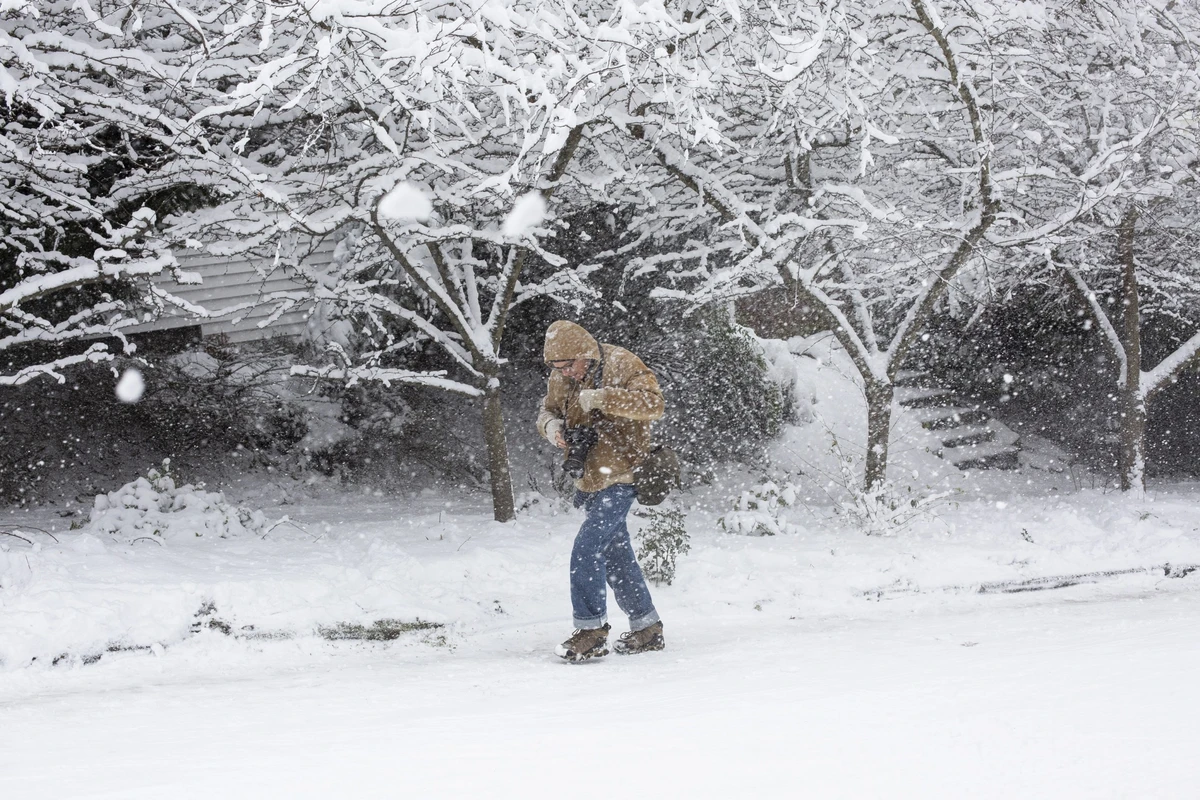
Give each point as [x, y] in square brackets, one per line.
[155, 506]
[221, 397]
[886, 507]
[393, 433]
[758, 511]
[660, 543]
[722, 403]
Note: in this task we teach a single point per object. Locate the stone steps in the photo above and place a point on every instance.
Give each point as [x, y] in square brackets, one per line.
[966, 435]
[949, 417]
[919, 397]
[990, 431]
[1001, 457]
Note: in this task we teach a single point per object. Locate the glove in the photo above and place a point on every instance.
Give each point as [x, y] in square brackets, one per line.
[553, 427]
[591, 399]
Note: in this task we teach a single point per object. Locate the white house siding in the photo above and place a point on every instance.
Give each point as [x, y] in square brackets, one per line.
[231, 281]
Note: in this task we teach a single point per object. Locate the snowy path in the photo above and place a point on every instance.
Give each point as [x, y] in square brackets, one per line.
[1059, 696]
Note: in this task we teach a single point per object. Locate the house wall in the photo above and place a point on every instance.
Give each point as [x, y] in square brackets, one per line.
[231, 281]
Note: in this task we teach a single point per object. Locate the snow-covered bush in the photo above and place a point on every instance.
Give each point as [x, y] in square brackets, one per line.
[398, 434]
[155, 506]
[534, 503]
[224, 396]
[660, 543]
[757, 511]
[883, 509]
[729, 399]
[886, 508]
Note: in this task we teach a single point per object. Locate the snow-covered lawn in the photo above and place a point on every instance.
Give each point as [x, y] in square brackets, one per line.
[820, 664]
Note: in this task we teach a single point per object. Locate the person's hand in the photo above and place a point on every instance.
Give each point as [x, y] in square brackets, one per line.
[554, 432]
[591, 399]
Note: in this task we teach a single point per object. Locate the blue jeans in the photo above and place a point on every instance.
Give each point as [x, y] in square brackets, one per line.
[604, 555]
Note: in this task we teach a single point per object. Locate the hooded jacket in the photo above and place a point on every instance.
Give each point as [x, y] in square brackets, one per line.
[632, 399]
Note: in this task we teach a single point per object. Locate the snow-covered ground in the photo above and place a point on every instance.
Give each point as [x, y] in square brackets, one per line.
[820, 662]
[1079, 696]
[824, 664]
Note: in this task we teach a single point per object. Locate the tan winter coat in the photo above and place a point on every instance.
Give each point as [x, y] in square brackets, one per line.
[631, 401]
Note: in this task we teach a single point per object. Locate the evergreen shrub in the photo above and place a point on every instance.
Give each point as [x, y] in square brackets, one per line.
[660, 543]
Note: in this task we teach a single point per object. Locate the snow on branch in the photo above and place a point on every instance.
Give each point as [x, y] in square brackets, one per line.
[1111, 338]
[90, 117]
[355, 375]
[1162, 374]
[54, 368]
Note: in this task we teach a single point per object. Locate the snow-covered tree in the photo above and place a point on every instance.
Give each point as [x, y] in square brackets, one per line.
[429, 138]
[864, 155]
[1134, 69]
[87, 114]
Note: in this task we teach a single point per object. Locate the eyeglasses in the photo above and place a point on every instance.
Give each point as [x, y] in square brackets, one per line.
[562, 364]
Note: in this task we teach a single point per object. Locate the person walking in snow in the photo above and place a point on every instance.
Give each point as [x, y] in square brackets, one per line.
[600, 400]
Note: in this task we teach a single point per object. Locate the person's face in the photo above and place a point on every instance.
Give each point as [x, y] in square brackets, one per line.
[573, 368]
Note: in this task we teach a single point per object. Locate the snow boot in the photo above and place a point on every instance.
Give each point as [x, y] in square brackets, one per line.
[584, 644]
[648, 638]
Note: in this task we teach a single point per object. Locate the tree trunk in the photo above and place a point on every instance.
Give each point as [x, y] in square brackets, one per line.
[497, 448]
[1133, 442]
[879, 425]
[1132, 460]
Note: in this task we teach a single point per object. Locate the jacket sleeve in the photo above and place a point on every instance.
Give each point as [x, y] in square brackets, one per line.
[635, 394]
[551, 408]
